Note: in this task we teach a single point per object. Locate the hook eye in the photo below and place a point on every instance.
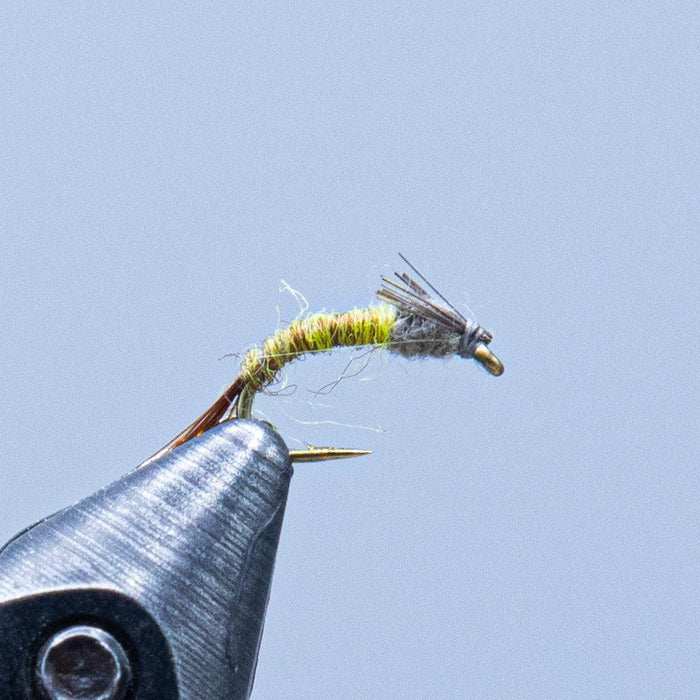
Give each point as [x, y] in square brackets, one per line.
[488, 360]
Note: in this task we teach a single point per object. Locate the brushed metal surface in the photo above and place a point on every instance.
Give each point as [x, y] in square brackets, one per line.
[191, 538]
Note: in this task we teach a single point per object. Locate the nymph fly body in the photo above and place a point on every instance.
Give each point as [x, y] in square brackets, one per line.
[414, 321]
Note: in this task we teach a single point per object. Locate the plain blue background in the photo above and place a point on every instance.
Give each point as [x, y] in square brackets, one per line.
[533, 536]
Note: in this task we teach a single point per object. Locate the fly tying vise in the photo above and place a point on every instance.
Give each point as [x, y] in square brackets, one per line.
[413, 322]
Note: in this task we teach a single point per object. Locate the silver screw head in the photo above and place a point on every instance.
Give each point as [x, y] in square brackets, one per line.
[83, 662]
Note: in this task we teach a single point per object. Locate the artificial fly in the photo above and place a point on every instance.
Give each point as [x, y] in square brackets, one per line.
[413, 322]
